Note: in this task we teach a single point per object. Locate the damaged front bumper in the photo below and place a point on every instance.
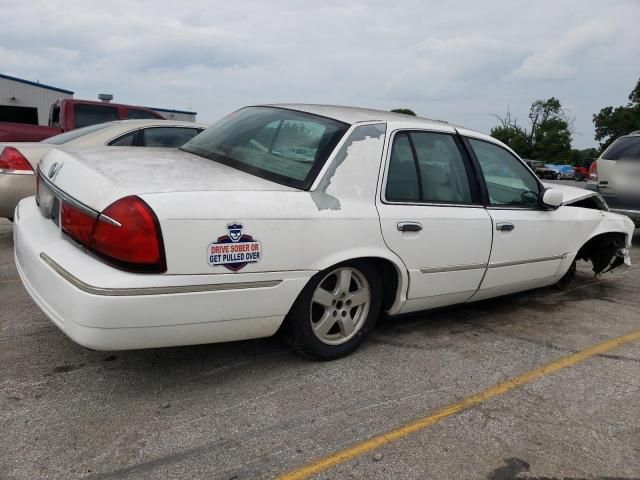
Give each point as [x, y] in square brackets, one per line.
[622, 258]
[607, 251]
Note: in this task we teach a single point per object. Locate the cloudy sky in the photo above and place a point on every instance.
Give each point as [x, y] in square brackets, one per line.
[457, 61]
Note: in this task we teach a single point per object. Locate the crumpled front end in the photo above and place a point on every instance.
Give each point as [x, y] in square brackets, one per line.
[607, 252]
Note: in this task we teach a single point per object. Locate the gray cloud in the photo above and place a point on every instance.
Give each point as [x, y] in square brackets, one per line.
[455, 61]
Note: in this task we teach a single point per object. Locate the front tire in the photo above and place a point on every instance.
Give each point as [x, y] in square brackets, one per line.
[335, 311]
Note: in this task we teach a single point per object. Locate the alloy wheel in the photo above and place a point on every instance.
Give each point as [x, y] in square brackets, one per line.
[340, 305]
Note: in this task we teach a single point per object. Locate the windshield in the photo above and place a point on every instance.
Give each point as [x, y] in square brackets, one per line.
[627, 148]
[285, 146]
[73, 134]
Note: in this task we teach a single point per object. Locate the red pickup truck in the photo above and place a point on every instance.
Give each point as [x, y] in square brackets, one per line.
[69, 114]
[581, 170]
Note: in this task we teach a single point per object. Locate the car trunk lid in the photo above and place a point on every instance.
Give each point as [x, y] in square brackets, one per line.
[97, 176]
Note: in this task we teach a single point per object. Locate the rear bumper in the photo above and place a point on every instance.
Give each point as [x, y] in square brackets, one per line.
[106, 309]
[13, 188]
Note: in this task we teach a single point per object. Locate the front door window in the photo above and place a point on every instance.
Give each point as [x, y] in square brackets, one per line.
[508, 181]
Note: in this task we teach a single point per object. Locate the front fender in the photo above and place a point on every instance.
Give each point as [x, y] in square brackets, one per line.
[615, 223]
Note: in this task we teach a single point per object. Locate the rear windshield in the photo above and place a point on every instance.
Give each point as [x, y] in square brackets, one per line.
[627, 148]
[281, 145]
[73, 134]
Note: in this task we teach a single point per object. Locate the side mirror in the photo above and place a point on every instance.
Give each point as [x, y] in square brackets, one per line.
[552, 198]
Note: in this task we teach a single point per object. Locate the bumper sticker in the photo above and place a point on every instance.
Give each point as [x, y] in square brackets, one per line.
[234, 250]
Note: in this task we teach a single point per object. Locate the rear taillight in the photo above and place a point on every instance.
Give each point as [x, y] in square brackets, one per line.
[126, 234]
[593, 171]
[77, 223]
[13, 161]
[136, 241]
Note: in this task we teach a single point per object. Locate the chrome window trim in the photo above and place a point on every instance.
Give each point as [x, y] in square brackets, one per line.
[533, 208]
[141, 291]
[147, 127]
[387, 161]
[427, 204]
[525, 262]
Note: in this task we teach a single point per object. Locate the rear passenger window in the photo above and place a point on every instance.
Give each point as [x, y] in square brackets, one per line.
[402, 178]
[127, 140]
[168, 137]
[625, 148]
[442, 171]
[427, 167]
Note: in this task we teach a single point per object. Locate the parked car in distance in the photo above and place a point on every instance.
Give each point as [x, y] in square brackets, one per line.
[307, 218]
[546, 173]
[565, 172]
[69, 114]
[616, 176]
[18, 160]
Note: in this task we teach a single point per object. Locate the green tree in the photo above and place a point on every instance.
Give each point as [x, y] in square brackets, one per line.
[582, 157]
[548, 138]
[406, 111]
[611, 123]
[511, 133]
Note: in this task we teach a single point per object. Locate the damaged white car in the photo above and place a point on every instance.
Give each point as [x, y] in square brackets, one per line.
[308, 219]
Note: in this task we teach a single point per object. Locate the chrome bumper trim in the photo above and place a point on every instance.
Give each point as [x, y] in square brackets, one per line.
[121, 292]
[11, 171]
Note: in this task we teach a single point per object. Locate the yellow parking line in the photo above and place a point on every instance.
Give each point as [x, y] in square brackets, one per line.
[475, 399]
[13, 280]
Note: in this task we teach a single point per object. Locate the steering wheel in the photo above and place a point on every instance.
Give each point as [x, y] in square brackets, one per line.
[529, 197]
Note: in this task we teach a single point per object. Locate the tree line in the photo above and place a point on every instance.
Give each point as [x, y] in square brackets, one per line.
[547, 134]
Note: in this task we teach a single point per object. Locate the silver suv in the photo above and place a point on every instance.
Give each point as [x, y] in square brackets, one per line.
[616, 175]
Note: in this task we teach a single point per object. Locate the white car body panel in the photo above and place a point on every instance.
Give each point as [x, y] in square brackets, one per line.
[300, 233]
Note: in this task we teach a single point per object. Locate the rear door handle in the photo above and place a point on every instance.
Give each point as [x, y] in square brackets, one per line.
[409, 227]
[505, 227]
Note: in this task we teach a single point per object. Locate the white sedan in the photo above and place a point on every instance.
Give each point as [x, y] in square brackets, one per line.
[305, 218]
[18, 160]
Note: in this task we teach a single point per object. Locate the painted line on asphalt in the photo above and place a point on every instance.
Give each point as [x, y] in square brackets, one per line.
[13, 280]
[378, 441]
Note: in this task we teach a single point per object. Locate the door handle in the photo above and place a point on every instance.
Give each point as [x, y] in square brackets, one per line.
[505, 227]
[409, 227]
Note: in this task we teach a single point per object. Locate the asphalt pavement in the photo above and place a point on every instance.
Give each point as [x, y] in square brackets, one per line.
[254, 409]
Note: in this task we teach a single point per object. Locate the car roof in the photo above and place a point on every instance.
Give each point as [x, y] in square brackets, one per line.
[156, 122]
[353, 115]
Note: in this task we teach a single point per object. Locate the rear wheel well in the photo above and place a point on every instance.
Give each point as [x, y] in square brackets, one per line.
[390, 280]
[389, 275]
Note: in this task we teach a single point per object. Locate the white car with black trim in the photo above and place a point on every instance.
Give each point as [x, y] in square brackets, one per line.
[306, 218]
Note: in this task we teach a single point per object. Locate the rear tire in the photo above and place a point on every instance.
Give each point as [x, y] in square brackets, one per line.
[335, 311]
